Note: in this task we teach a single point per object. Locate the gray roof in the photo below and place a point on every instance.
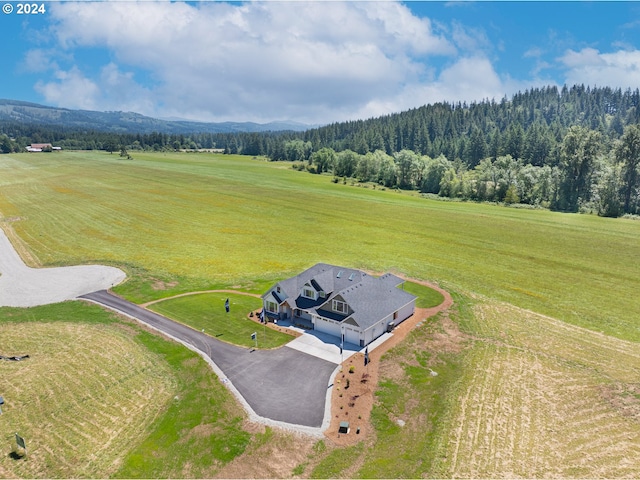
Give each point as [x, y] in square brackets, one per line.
[373, 299]
[370, 298]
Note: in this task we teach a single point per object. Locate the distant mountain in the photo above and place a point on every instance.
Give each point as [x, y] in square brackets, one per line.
[127, 122]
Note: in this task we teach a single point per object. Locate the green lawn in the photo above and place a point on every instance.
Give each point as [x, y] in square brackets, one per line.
[427, 297]
[207, 221]
[206, 312]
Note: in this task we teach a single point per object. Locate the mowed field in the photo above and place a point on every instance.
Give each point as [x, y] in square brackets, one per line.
[85, 394]
[204, 220]
[550, 393]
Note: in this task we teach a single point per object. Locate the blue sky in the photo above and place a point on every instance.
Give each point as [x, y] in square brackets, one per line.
[313, 62]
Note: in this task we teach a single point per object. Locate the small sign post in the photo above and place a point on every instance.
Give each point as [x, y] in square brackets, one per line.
[21, 443]
[254, 336]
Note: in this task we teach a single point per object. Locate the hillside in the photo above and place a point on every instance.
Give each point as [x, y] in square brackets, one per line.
[12, 111]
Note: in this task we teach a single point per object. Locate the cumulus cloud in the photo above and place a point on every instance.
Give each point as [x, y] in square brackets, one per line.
[71, 89]
[314, 62]
[591, 67]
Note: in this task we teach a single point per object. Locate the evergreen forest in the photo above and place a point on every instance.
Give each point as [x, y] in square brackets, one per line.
[574, 149]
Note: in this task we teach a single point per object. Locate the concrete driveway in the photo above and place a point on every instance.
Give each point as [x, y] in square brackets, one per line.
[321, 345]
[22, 286]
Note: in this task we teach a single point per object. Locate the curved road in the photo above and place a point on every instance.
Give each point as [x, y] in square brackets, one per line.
[284, 385]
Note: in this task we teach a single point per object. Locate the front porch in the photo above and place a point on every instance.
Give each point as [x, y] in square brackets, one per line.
[287, 319]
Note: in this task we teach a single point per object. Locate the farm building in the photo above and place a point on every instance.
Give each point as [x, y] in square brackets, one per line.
[341, 301]
[42, 147]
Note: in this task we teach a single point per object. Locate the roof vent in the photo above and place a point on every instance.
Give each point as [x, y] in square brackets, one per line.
[339, 274]
[352, 276]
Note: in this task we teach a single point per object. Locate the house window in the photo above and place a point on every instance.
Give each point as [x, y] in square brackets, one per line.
[271, 306]
[308, 292]
[297, 312]
[340, 307]
[322, 294]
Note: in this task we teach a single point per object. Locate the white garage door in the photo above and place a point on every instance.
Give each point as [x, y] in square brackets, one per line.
[327, 327]
[351, 336]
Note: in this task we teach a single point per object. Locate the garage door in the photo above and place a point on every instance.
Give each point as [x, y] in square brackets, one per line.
[351, 336]
[327, 327]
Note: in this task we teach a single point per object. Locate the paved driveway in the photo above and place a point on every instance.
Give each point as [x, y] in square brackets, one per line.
[322, 345]
[285, 385]
[22, 286]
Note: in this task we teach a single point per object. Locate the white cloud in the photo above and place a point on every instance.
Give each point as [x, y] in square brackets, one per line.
[38, 60]
[470, 39]
[71, 89]
[468, 79]
[314, 62]
[591, 67]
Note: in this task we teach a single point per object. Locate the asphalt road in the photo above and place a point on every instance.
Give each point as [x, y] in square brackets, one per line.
[284, 385]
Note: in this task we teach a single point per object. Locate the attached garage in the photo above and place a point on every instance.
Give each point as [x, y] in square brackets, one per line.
[351, 335]
[339, 299]
[326, 326]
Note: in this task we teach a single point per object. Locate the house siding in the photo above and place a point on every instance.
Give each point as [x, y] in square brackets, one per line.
[380, 327]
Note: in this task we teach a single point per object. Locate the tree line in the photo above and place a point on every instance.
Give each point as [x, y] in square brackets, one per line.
[569, 148]
[586, 177]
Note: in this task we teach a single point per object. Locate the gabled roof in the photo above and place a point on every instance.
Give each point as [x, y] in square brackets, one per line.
[374, 299]
[322, 277]
[370, 299]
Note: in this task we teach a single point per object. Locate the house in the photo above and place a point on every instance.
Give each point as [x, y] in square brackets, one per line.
[341, 301]
[42, 147]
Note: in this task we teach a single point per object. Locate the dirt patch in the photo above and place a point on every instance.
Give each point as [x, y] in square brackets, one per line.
[275, 458]
[160, 285]
[253, 427]
[448, 338]
[625, 398]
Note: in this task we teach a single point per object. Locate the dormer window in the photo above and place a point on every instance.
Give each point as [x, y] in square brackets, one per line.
[308, 292]
[340, 307]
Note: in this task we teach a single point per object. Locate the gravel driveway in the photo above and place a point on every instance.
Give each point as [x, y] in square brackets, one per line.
[22, 286]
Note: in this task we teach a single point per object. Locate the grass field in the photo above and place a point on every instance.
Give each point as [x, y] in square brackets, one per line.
[517, 393]
[206, 312]
[207, 221]
[427, 297]
[100, 397]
